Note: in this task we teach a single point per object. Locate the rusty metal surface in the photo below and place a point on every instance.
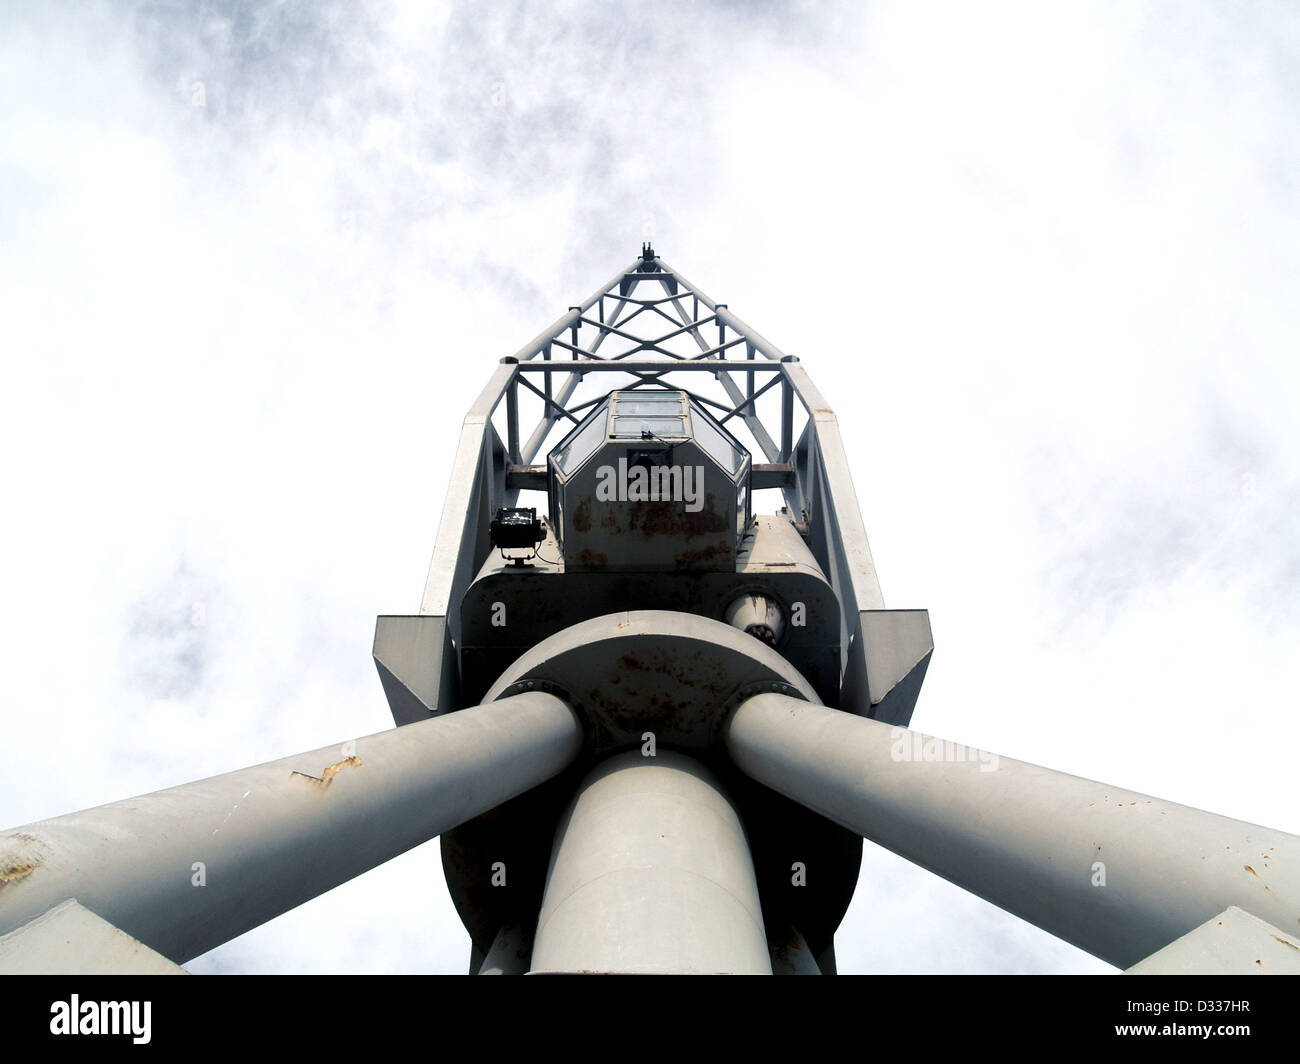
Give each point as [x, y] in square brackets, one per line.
[660, 535]
[537, 601]
[673, 675]
[640, 671]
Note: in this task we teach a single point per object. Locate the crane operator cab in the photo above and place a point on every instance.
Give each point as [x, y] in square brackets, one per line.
[650, 508]
[649, 481]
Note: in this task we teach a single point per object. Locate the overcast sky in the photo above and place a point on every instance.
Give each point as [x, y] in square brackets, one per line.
[257, 259]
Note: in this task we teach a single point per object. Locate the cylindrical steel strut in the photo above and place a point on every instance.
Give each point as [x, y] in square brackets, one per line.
[186, 869]
[651, 872]
[1117, 873]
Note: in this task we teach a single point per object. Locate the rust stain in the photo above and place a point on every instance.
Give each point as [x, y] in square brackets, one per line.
[22, 860]
[708, 557]
[582, 516]
[1286, 943]
[11, 870]
[327, 776]
[1251, 871]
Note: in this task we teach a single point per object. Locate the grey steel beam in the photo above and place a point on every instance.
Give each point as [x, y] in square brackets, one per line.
[752, 421]
[186, 869]
[839, 495]
[772, 475]
[1117, 873]
[512, 417]
[637, 301]
[641, 341]
[763, 346]
[651, 872]
[651, 365]
[787, 420]
[452, 559]
[534, 477]
[553, 409]
[747, 403]
[763, 475]
[548, 420]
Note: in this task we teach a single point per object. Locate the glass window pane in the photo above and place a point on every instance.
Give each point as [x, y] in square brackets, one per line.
[663, 407]
[715, 444]
[583, 442]
[660, 426]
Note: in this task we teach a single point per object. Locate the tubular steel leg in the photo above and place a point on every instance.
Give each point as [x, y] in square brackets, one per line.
[186, 869]
[651, 872]
[1117, 873]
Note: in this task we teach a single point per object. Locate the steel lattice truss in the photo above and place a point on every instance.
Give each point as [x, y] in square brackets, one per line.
[650, 324]
[633, 330]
